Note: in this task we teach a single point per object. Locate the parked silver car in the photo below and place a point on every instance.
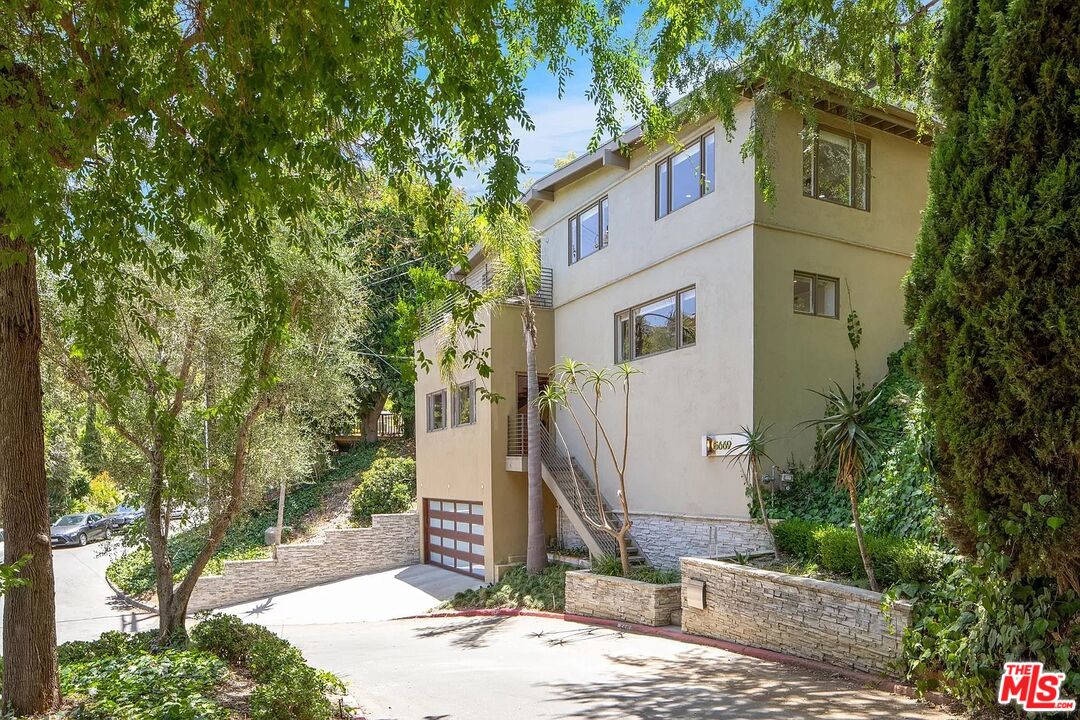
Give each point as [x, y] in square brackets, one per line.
[79, 529]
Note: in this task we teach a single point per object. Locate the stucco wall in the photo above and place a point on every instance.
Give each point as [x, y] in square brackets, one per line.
[615, 598]
[840, 625]
[390, 542]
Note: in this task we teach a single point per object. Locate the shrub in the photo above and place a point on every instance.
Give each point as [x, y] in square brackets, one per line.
[517, 589]
[389, 486]
[287, 687]
[796, 537]
[611, 565]
[973, 619]
[118, 677]
[896, 560]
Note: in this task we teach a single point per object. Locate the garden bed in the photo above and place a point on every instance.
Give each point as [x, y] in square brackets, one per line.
[592, 594]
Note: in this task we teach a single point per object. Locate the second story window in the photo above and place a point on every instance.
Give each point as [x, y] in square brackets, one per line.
[463, 404]
[436, 411]
[686, 176]
[836, 167]
[588, 231]
[667, 323]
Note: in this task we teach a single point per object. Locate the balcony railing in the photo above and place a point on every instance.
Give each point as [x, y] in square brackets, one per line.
[435, 317]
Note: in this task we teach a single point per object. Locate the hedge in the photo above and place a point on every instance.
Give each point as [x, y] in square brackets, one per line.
[388, 486]
[895, 560]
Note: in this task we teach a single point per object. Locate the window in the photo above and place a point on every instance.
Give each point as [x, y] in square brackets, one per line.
[816, 295]
[463, 404]
[436, 411]
[588, 231]
[686, 176]
[667, 323]
[836, 167]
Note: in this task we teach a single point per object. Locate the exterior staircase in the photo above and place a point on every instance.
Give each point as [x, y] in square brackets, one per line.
[561, 472]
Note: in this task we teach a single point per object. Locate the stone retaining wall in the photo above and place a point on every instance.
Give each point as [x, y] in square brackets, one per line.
[837, 624]
[616, 598]
[391, 541]
[666, 538]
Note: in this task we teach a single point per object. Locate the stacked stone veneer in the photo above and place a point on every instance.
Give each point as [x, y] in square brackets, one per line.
[808, 618]
[615, 598]
[391, 541]
[666, 538]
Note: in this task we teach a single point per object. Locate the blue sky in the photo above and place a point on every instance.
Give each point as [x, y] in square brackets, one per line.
[561, 125]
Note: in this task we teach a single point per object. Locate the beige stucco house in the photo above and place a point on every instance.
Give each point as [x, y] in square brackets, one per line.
[732, 308]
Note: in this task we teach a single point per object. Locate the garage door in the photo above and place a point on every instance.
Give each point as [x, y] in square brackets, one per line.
[455, 535]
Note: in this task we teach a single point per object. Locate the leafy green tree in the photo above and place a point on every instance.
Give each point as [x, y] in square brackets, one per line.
[91, 450]
[992, 296]
[121, 118]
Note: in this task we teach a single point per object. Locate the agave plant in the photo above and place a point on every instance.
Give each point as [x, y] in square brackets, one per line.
[753, 450]
[846, 441]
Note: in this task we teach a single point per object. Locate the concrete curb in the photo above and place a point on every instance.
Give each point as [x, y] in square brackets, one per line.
[128, 599]
[874, 681]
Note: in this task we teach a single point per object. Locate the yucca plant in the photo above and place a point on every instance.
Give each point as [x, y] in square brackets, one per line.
[753, 450]
[846, 441]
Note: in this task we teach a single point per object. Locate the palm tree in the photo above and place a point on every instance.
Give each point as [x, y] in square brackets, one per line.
[754, 449]
[512, 249]
[846, 442]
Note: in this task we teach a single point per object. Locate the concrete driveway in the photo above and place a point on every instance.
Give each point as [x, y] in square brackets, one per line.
[524, 667]
[85, 604]
[394, 593]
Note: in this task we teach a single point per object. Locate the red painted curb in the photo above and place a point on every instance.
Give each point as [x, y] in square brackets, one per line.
[863, 678]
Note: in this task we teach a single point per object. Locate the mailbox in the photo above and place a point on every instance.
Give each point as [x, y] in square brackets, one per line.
[695, 594]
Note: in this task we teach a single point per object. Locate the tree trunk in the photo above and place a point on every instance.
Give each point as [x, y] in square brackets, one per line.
[170, 628]
[867, 565]
[755, 478]
[371, 419]
[30, 681]
[536, 548]
[624, 553]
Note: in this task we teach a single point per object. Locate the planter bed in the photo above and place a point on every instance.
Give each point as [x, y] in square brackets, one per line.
[616, 598]
[809, 618]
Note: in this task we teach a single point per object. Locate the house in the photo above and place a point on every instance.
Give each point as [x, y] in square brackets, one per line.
[732, 307]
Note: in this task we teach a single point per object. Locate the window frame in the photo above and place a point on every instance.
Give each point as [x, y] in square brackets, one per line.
[666, 163]
[855, 138]
[629, 314]
[814, 278]
[573, 230]
[428, 408]
[455, 417]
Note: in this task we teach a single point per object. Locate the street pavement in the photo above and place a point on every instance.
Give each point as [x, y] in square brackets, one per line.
[501, 668]
[85, 604]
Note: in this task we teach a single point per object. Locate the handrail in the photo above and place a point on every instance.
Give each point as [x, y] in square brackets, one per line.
[435, 317]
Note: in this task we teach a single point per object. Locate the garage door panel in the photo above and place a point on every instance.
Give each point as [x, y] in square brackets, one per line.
[454, 535]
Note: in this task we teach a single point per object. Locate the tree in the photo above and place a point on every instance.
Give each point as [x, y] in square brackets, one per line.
[753, 450]
[845, 441]
[578, 387]
[512, 250]
[91, 452]
[992, 294]
[152, 114]
[266, 376]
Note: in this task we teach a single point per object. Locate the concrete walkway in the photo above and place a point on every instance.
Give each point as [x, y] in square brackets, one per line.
[497, 668]
[396, 593]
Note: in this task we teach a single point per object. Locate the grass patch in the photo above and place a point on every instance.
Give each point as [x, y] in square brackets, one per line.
[518, 589]
[134, 573]
[611, 566]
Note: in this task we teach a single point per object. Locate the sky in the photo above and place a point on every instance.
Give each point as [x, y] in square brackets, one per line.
[561, 125]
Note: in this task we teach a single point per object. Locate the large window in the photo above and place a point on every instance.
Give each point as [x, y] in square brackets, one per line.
[436, 411]
[836, 167]
[667, 323]
[816, 295]
[463, 404]
[588, 231]
[686, 176]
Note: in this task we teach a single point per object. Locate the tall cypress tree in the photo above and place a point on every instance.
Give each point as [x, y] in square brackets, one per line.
[994, 290]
